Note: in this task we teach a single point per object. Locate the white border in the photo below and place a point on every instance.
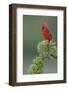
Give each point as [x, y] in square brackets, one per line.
[40, 77]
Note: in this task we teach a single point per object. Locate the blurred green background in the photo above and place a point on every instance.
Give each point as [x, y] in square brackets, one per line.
[32, 36]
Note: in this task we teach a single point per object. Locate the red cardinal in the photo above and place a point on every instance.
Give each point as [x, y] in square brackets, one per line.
[45, 32]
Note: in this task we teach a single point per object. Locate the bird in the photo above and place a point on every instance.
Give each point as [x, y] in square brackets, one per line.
[46, 33]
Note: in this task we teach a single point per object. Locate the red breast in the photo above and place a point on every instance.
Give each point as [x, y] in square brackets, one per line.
[45, 32]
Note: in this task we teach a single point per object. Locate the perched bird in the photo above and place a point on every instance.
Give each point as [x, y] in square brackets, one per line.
[46, 33]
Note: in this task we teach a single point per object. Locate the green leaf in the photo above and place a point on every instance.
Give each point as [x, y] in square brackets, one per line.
[53, 51]
[52, 59]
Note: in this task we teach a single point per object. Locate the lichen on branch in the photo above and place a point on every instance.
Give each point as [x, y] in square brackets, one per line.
[45, 49]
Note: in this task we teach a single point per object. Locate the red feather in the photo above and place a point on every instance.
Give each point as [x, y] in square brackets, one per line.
[45, 32]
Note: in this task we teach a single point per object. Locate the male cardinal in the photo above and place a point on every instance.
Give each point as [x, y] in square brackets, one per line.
[45, 32]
